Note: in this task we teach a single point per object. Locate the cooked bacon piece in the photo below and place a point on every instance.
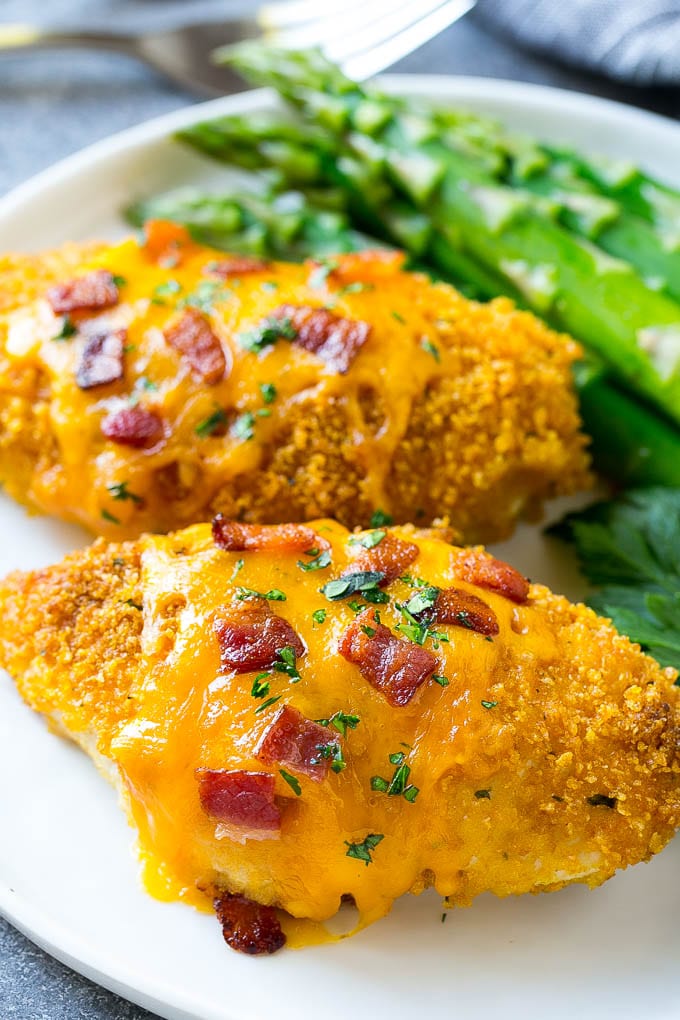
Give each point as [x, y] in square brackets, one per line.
[250, 637]
[239, 798]
[195, 340]
[463, 609]
[368, 266]
[394, 667]
[84, 294]
[293, 740]
[391, 557]
[333, 339]
[133, 426]
[237, 265]
[477, 567]
[164, 241]
[236, 537]
[248, 927]
[101, 360]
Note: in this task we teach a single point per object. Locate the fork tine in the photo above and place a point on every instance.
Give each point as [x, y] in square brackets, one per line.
[274, 17]
[329, 30]
[365, 53]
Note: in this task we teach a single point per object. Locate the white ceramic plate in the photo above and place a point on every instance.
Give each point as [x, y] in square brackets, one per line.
[68, 875]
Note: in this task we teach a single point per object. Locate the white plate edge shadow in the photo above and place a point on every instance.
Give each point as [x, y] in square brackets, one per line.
[481, 93]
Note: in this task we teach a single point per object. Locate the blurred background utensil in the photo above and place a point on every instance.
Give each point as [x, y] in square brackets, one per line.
[364, 37]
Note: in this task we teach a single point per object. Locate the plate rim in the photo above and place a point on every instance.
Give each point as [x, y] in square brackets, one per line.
[65, 944]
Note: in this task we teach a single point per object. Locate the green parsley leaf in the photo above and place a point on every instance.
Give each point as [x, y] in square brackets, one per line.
[356, 606]
[362, 851]
[379, 519]
[260, 688]
[483, 794]
[428, 346]
[629, 549]
[214, 423]
[369, 539]
[204, 296]
[379, 784]
[267, 704]
[118, 281]
[274, 594]
[330, 752]
[397, 316]
[397, 758]
[120, 491]
[398, 785]
[269, 285]
[292, 782]
[417, 631]
[267, 333]
[443, 681]
[319, 615]
[489, 704]
[268, 391]
[165, 290]
[287, 664]
[238, 566]
[423, 600]
[341, 722]
[356, 287]
[68, 329]
[319, 275]
[363, 581]
[370, 631]
[243, 426]
[320, 562]
[109, 517]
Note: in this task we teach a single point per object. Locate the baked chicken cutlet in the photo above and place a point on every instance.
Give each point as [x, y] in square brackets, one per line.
[298, 714]
[145, 387]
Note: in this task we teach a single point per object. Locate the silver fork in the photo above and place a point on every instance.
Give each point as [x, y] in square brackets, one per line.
[363, 36]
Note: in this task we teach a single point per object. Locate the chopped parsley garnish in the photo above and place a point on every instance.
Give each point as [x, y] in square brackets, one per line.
[356, 606]
[397, 316]
[341, 721]
[118, 281]
[286, 664]
[428, 346]
[489, 704]
[165, 290]
[267, 704]
[602, 800]
[379, 519]
[369, 540]
[204, 296]
[424, 599]
[398, 785]
[356, 287]
[267, 333]
[120, 491]
[364, 581]
[261, 684]
[628, 549]
[370, 631]
[443, 681]
[243, 426]
[68, 329]
[238, 566]
[319, 275]
[214, 423]
[414, 582]
[268, 391]
[274, 594]
[269, 285]
[416, 631]
[330, 752]
[109, 517]
[483, 794]
[319, 615]
[362, 851]
[147, 385]
[292, 782]
[319, 562]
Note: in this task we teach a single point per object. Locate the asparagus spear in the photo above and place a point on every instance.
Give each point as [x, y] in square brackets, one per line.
[602, 301]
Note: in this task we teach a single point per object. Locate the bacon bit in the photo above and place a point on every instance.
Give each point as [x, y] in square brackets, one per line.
[391, 557]
[195, 340]
[291, 739]
[133, 426]
[394, 667]
[164, 241]
[252, 637]
[239, 798]
[236, 537]
[368, 266]
[237, 265]
[84, 294]
[333, 339]
[248, 927]
[477, 567]
[101, 360]
[463, 609]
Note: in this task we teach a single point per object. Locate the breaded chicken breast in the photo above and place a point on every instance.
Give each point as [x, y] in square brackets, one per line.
[297, 714]
[148, 387]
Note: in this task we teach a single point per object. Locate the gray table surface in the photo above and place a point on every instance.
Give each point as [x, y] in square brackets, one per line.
[53, 104]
